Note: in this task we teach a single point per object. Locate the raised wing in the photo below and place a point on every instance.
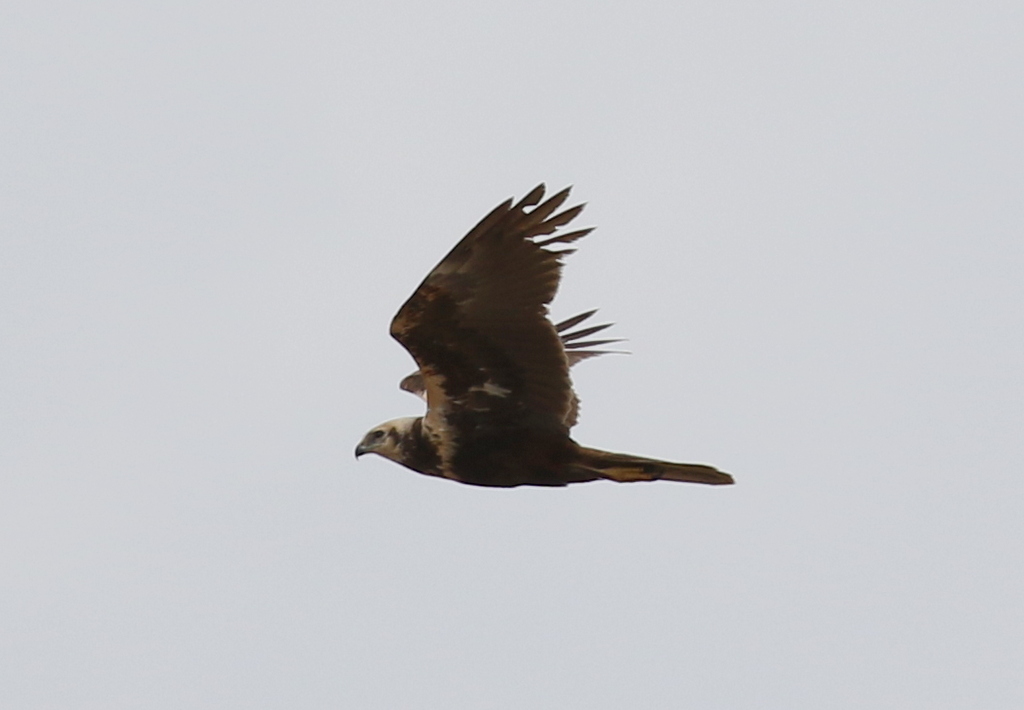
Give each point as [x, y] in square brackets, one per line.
[477, 326]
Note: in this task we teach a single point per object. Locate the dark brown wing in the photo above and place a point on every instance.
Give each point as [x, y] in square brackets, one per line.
[477, 326]
[575, 351]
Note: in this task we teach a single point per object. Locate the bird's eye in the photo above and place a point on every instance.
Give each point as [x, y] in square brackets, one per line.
[379, 434]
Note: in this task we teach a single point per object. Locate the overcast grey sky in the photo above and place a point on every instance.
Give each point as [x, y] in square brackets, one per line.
[809, 227]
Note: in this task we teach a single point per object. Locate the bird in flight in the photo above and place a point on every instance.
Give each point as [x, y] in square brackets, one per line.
[494, 370]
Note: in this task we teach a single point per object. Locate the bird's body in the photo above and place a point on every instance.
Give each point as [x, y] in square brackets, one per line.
[495, 371]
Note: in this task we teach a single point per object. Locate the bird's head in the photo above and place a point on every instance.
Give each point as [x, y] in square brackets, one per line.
[386, 439]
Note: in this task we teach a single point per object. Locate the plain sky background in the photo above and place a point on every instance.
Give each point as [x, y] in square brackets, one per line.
[809, 227]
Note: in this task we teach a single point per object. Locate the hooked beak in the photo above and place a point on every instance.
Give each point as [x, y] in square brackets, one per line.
[360, 450]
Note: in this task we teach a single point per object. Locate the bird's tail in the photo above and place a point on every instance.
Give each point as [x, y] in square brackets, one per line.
[626, 468]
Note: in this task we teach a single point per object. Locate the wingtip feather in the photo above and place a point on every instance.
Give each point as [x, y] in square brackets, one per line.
[575, 320]
[532, 197]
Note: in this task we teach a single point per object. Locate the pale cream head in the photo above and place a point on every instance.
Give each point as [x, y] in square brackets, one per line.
[386, 439]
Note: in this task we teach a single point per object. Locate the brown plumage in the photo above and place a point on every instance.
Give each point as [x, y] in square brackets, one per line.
[495, 370]
[576, 350]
